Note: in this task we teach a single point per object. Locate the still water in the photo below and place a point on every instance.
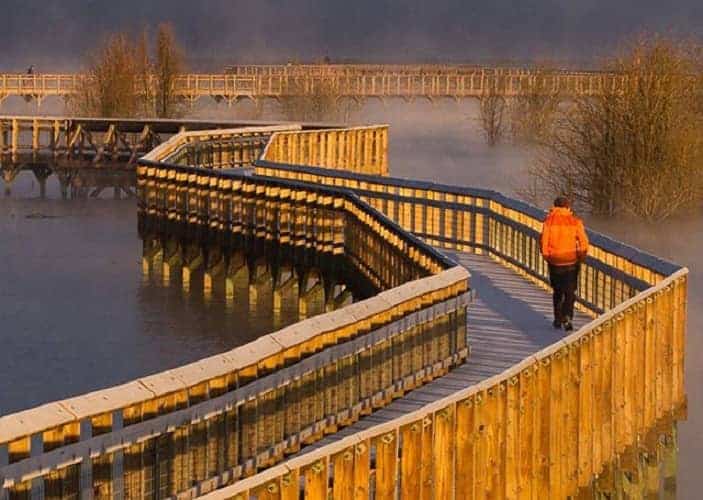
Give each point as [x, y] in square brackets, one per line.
[74, 307]
[78, 312]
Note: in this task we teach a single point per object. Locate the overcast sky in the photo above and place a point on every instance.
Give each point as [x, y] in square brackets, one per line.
[55, 34]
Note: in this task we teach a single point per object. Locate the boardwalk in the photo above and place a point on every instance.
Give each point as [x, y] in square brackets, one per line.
[509, 320]
[356, 81]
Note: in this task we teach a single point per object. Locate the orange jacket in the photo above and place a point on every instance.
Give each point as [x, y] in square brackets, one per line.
[564, 241]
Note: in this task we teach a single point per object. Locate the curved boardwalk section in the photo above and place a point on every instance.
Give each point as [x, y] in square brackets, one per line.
[372, 399]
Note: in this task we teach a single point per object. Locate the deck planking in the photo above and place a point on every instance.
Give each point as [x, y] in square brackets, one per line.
[509, 320]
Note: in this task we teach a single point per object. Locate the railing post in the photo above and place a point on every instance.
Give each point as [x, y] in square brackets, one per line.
[4, 460]
[117, 460]
[36, 448]
[35, 135]
[384, 152]
[3, 137]
[15, 136]
[86, 481]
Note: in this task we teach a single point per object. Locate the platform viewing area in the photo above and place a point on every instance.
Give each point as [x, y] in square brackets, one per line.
[448, 382]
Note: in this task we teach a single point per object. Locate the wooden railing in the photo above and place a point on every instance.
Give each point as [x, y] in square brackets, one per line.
[548, 425]
[348, 81]
[189, 430]
[221, 148]
[361, 150]
[468, 219]
[542, 429]
[115, 137]
[545, 426]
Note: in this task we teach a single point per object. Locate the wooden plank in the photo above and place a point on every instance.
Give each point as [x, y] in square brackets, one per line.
[556, 437]
[512, 435]
[597, 399]
[443, 451]
[386, 465]
[466, 437]
[618, 378]
[426, 479]
[660, 350]
[410, 464]
[500, 442]
[668, 341]
[543, 424]
[268, 491]
[316, 480]
[585, 412]
[482, 429]
[638, 359]
[290, 485]
[679, 342]
[571, 417]
[362, 466]
[343, 486]
[527, 442]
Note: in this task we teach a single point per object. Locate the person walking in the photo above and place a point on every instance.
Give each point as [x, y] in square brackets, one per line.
[564, 246]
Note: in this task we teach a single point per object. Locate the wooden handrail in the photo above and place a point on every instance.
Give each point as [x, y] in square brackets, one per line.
[493, 414]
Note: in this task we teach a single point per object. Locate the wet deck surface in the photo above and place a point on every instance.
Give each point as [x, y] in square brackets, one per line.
[509, 320]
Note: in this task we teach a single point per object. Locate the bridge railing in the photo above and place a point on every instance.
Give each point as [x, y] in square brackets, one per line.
[193, 428]
[548, 425]
[468, 219]
[355, 149]
[353, 81]
[543, 428]
[221, 148]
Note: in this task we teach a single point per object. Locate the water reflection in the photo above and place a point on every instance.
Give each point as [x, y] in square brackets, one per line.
[646, 470]
[44, 177]
[252, 285]
[78, 312]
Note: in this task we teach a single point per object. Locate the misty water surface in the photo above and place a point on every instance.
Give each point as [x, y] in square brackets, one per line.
[48, 270]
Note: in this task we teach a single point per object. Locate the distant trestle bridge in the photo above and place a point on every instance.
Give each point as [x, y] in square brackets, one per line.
[348, 81]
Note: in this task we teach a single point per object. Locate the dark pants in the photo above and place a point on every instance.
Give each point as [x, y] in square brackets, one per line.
[564, 280]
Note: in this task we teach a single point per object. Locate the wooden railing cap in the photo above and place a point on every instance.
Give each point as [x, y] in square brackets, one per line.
[163, 383]
[28, 422]
[203, 370]
[107, 400]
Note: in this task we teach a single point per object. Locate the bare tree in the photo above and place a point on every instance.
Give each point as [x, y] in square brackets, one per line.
[168, 64]
[638, 146]
[123, 79]
[316, 99]
[111, 76]
[491, 114]
[533, 110]
[145, 80]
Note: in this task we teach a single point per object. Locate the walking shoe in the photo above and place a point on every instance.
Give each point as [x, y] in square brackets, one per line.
[557, 324]
[568, 326]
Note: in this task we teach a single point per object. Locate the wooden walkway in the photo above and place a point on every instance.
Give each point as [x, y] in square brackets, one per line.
[509, 320]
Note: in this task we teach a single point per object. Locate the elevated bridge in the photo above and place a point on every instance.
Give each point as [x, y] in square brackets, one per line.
[449, 383]
[351, 81]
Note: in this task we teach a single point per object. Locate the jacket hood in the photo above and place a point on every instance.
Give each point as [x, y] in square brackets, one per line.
[560, 211]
